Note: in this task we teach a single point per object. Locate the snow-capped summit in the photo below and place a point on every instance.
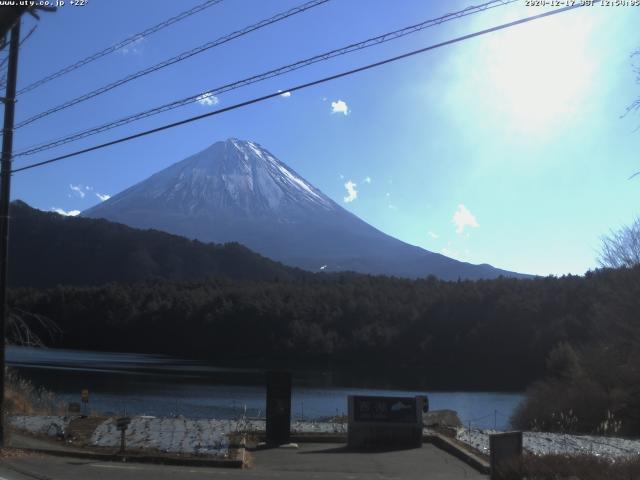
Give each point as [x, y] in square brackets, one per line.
[236, 190]
[237, 176]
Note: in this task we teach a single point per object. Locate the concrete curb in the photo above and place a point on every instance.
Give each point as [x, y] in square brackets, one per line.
[316, 437]
[319, 438]
[449, 446]
[156, 459]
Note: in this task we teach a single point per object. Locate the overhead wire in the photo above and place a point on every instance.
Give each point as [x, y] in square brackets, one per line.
[118, 46]
[264, 76]
[173, 60]
[305, 85]
[3, 62]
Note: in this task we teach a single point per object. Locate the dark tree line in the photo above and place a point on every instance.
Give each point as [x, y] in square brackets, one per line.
[484, 334]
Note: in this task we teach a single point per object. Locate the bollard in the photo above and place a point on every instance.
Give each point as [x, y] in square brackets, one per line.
[504, 448]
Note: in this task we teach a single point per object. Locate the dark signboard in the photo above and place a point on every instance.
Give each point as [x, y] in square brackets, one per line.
[278, 407]
[384, 409]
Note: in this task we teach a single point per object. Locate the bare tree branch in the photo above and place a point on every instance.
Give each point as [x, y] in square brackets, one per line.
[635, 105]
[21, 326]
[621, 248]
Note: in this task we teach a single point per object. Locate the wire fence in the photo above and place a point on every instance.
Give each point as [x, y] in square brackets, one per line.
[476, 431]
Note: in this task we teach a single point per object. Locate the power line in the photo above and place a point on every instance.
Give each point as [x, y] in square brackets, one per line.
[3, 80]
[303, 86]
[265, 76]
[178, 58]
[121, 44]
[26, 37]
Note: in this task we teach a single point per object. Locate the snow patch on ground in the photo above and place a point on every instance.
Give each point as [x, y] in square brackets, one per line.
[52, 425]
[540, 443]
[181, 435]
[172, 435]
[211, 436]
[299, 427]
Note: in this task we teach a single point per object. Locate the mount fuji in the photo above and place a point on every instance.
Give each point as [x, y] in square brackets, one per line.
[237, 191]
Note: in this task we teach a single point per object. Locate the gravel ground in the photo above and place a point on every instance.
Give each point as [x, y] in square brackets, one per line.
[540, 443]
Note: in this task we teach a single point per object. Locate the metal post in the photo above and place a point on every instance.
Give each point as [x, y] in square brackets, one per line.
[122, 440]
[5, 192]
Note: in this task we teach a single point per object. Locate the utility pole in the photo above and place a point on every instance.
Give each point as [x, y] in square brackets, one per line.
[5, 192]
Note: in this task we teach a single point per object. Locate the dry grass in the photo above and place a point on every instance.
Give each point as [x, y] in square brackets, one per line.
[574, 467]
[15, 453]
[23, 398]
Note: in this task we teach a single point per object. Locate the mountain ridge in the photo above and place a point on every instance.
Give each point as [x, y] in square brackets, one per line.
[237, 190]
[48, 249]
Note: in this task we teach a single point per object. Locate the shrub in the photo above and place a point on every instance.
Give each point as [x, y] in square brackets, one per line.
[590, 391]
[582, 467]
[23, 398]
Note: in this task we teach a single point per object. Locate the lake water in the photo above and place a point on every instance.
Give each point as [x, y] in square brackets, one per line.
[165, 386]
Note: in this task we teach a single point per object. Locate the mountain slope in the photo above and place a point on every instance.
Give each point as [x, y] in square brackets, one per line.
[47, 249]
[238, 191]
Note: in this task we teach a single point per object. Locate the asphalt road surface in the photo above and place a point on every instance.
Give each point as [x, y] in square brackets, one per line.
[310, 461]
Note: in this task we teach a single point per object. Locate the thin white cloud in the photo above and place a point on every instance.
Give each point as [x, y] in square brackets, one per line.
[352, 193]
[134, 47]
[387, 194]
[103, 196]
[463, 218]
[458, 252]
[392, 207]
[340, 106]
[433, 235]
[78, 190]
[367, 179]
[284, 94]
[70, 213]
[207, 99]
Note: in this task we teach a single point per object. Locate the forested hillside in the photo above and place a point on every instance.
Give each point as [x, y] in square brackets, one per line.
[486, 334]
[48, 249]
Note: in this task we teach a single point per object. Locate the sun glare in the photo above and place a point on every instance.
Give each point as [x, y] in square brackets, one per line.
[538, 74]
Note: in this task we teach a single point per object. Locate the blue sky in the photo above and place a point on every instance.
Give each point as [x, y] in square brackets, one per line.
[507, 149]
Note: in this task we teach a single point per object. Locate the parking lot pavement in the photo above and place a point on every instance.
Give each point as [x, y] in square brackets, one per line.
[310, 461]
[333, 461]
